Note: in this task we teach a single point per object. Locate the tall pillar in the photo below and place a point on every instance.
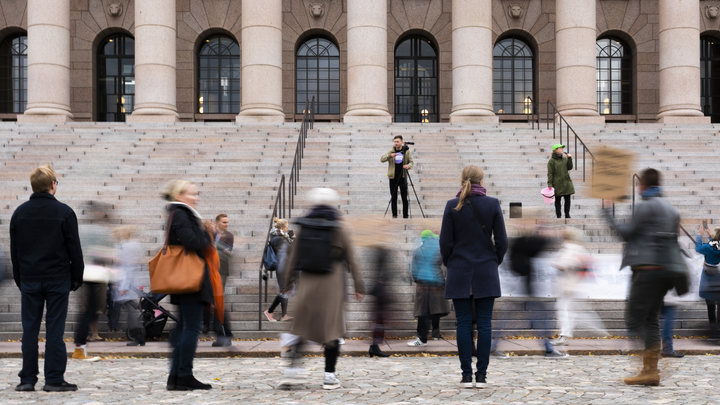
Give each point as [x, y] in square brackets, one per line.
[472, 76]
[575, 40]
[261, 61]
[367, 69]
[680, 62]
[155, 62]
[48, 92]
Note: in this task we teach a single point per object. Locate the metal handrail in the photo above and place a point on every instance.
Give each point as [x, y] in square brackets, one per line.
[576, 139]
[635, 176]
[281, 202]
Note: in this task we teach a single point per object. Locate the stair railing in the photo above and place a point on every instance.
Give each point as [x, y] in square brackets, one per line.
[558, 130]
[635, 180]
[285, 202]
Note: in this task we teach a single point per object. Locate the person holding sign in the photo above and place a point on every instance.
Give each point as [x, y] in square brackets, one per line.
[559, 180]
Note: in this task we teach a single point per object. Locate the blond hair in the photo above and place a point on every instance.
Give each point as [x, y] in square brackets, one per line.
[42, 179]
[470, 175]
[280, 223]
[570, 234]
[124, 232]
[175, 188]
[716, 234]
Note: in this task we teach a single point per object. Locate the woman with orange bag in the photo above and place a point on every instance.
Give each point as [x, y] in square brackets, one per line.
[187, 230]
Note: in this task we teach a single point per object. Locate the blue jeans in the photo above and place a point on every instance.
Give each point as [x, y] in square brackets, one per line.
[184, 338]
[34, 296]
[669, 312]
[463, 315]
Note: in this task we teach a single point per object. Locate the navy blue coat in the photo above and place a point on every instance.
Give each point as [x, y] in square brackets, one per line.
[466, 252]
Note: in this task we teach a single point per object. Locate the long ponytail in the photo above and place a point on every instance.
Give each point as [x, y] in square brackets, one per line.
[470, 175]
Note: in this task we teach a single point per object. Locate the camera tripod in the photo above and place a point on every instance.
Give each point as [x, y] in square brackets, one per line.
[395, 186]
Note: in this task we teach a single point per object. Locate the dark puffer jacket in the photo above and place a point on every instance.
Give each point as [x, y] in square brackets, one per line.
[186, 230]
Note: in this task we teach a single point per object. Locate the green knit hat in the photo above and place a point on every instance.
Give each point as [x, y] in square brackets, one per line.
[427, 234]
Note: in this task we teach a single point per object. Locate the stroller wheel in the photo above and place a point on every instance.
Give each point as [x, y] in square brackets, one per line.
[136, 334]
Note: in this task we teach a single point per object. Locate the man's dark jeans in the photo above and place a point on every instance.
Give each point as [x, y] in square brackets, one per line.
[647, 290]
[394, 184]
[463, 314]
[34, 296]
[184, 339]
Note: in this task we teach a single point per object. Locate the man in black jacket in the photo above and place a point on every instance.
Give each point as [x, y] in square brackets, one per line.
[47, 263]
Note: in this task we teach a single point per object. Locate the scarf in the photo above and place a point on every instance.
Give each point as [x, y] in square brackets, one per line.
[652, 192]
[324, 212]
[197, 215]
[475, 189]
[280, 232]
[714, 244]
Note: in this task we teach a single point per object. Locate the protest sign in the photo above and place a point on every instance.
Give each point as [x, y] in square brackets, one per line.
[612, 173]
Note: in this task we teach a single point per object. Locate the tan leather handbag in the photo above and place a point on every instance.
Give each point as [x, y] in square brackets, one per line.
[175, 270]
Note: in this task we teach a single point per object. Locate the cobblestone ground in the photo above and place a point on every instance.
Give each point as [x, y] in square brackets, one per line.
[519, 380]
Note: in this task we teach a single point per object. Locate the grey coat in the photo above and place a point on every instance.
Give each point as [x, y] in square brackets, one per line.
[644, 245]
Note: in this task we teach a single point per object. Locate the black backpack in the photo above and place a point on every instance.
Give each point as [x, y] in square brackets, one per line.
[316, 246]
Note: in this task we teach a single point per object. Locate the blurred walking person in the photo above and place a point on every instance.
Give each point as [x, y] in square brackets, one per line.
[558, 173]
[188, 230]
[98, 253]
[383, 299]
[47, 264]
[281, 242]
[224, 241]
[710, 278]
[469, 223]
[573, 262]
[318, 261]
[129, 255]
[652, 252]
[430, 302]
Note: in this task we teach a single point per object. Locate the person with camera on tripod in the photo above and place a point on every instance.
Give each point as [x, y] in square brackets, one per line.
[399, 161]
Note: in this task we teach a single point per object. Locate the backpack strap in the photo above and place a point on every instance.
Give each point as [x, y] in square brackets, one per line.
[485, 230]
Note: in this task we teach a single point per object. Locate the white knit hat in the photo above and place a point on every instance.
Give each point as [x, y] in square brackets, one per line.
[323, 196]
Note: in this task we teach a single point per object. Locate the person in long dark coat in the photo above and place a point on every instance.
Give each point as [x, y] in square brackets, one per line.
[187, 230]
[472, 259]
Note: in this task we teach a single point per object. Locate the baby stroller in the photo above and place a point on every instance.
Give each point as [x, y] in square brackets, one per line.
[152, 318]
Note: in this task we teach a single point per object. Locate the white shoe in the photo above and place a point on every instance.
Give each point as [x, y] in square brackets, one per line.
[561, 341]
[417, 343]
[292, 377]
[555, 355]
[330, 382]
[341, 341]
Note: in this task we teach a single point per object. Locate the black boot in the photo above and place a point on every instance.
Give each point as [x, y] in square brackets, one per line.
[189, 383]
[375, 351]
[172, 382]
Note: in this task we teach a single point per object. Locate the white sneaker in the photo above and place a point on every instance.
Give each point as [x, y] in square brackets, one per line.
[341, 341]
[417, 343]
[292, 377]
[555, 355]
[330, 382]
[562, 341]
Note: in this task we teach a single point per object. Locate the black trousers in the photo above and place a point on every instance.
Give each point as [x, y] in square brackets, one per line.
[34, 296]
[647, 290]
[401, 182]
[567, 205]
[89, 315]
[422, 326]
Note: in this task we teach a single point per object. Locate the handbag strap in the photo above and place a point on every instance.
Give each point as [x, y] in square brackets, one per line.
[167, 232]
[485, 230]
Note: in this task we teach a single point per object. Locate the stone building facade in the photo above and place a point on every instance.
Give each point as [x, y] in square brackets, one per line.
[363, 60]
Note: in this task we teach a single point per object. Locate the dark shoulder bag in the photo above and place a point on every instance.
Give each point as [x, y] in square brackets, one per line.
[488, 238]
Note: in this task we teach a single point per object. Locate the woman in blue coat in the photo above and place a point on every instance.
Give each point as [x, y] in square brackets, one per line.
[472, 260]
[710, 283]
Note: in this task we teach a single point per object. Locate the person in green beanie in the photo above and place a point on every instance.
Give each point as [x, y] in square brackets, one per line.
[559, 180]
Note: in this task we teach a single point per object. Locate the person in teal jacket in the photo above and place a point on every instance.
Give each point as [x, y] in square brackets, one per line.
[559, 180]
[710, 283]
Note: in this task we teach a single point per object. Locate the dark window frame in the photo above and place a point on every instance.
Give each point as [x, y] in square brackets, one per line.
[614, 78]
[218, 76]
[13, 94]
[123, 85]
[710, 83]
[317, 73]
[415, 87]
[510, 81]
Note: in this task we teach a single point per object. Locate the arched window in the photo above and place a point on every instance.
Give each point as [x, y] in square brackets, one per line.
[13, 74]
[416, 81]
[614, 77]
[219, 76]
[512, 77]
[116, 78]
[317, 73]
[710, 77]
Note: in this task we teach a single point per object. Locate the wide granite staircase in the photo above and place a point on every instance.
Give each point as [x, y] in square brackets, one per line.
[238, 169]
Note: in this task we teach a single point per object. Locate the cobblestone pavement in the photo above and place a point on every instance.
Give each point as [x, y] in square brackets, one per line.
[414, 380]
